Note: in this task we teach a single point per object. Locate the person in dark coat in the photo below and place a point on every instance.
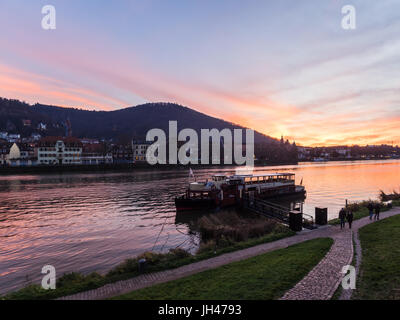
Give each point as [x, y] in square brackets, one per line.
[350, 218]
[342, 218]
[377, 211]
[371, 210]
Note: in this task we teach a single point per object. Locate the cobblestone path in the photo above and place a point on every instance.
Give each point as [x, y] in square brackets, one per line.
[325, 273]
[322, 281]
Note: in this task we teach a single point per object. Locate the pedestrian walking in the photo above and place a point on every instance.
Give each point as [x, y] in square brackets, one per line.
[371, 210]
[377, 211]
[350, 218]
[342, 218]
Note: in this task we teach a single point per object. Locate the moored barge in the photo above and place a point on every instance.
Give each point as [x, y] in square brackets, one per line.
[224, 191]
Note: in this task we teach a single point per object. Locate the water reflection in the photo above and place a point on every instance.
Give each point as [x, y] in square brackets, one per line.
[91, 222]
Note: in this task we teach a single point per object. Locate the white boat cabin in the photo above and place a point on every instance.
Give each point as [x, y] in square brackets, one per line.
[262, 181]
[267, 181]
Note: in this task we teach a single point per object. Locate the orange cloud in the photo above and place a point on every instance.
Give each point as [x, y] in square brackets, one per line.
[373, 131]
[18, 84]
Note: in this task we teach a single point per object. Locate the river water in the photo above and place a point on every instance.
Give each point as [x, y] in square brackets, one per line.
[92, 222]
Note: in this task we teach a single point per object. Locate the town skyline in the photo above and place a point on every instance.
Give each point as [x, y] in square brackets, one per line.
[306, 79]
[40, 128]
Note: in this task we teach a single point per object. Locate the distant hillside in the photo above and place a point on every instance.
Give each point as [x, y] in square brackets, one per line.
[122, 125]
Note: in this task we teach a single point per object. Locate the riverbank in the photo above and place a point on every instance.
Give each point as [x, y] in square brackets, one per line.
[126, 167]
[264, 277]
[73, 283]
[102, 168]
[118, 167]
[319, 283]
[299, 291]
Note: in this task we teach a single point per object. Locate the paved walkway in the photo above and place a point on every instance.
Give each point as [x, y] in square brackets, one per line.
[322, 281]
[346, 294]
[326, 272]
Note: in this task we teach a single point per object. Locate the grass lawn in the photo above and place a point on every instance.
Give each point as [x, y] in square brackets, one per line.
[267, 276]
[380, 272]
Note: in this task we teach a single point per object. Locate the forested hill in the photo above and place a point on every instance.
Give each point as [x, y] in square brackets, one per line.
[122, 125]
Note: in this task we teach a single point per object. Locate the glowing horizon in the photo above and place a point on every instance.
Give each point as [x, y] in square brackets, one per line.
[286, 68]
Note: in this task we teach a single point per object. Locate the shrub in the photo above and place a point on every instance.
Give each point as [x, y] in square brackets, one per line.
[128, 266]
[27, 293]
[153, 259]
[234, 227]
[358, 206]
[179, 253]
[206, 247]
[387, 197]
[225, 242]
[67, 284]
[76, 278]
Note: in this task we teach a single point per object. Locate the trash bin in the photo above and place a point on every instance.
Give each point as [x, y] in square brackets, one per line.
[142, 263]
[321, 216]
[296, 220]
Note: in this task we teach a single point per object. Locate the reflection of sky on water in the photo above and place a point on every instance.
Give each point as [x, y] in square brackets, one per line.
[91, 222]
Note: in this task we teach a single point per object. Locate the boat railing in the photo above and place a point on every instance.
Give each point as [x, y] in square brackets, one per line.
[273, 204]
[267, 208]
[275, 211]
[269, 181]
[308, 219]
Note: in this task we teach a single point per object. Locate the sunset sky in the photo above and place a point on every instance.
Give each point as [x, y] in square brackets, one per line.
[280, 67]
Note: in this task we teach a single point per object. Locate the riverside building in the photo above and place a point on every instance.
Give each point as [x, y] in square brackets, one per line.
[59, 151]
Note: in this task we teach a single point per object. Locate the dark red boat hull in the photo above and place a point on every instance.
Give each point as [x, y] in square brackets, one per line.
[185, 204]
